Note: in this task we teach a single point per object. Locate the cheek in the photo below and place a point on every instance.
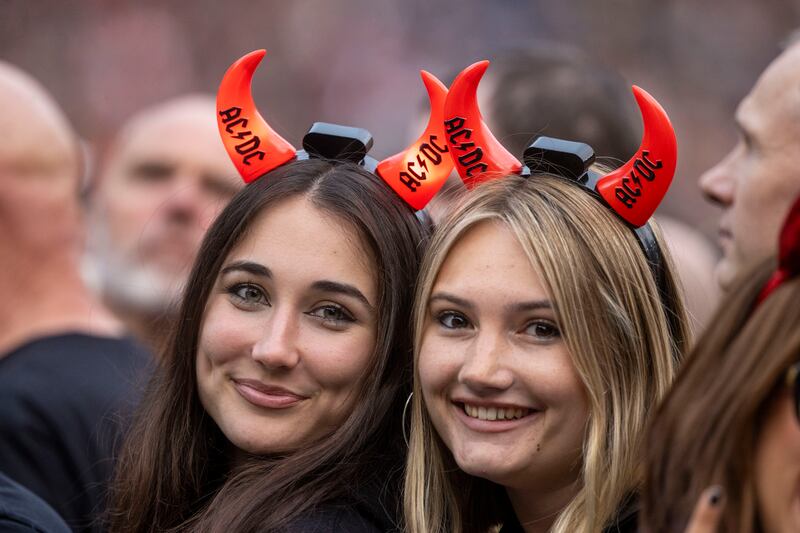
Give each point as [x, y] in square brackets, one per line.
[777, 467]
[438, 365]
[337, 362]
[225, 336]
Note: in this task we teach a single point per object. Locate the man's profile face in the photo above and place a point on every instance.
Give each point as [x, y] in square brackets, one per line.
[164, 183]
[757, 181]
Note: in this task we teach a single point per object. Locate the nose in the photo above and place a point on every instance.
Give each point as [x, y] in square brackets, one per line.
[717, 183]
[277, 347]
[485, 370]
[185, 203]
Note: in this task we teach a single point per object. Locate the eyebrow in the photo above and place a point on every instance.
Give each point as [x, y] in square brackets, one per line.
[250, 267]
[341, 288]
[453, 299]
[533, 305]
[517, 307]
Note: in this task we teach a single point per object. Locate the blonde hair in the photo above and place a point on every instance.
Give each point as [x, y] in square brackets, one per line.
[615, 327]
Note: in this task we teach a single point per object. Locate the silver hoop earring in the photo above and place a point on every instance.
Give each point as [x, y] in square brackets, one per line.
[405, 408]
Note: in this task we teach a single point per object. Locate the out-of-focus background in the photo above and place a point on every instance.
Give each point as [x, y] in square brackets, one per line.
[356, 61]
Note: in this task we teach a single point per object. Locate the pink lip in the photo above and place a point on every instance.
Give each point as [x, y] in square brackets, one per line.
[269, 396]
[492, 426]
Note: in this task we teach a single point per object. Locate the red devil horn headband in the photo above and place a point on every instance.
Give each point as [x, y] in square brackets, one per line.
[415, 174]
[418, 173]
[633, 191]
[252, 145]
[788, 253]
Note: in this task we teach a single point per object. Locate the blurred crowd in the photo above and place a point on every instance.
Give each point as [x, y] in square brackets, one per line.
[112, 171]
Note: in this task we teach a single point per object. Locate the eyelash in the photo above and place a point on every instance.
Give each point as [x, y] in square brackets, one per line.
[445, 315]
[553, 328]
[343, 316]
[235, 289]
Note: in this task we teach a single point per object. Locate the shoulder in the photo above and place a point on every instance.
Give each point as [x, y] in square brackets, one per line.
[21, 510]
[58, 365]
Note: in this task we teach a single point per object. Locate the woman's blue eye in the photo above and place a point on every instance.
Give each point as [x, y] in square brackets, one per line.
[452, 320]
[332, 313]
[543, 329]
[248, 294]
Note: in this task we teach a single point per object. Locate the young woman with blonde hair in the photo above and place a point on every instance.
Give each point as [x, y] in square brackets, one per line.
[546, 331]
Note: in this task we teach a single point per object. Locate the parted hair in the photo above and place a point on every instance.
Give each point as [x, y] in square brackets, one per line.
[705, 432]
[615, 328]
[175, 470]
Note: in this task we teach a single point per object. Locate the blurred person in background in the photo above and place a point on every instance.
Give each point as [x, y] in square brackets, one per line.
[756, 182]
[163, 180]
[732, 419]
[66, 377]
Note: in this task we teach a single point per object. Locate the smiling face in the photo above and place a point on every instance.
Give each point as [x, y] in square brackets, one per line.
[497, 378]
[756, 183]
[288, 331]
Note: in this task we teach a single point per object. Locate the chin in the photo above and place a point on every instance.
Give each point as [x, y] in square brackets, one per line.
[487, 466]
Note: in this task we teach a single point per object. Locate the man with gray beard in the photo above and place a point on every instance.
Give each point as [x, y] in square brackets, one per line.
[162, 182]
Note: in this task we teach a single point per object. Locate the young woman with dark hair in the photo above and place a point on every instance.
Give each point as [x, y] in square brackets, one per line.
[278, 403]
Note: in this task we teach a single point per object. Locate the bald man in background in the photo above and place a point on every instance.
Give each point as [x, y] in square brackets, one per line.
[67, 377]
[163, 181]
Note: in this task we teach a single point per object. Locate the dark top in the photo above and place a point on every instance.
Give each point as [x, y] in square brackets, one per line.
[63, 403]
[625, 521]
[23, 511]
[367, 510]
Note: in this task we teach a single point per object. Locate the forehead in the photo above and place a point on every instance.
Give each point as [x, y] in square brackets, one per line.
[775, 98]
[185, 135]
[296, 239]
[33, 130]
[488, 256]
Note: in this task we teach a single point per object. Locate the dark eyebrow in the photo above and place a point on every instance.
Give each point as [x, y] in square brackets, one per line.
[341, 288]
[447, 297]
[248, 266]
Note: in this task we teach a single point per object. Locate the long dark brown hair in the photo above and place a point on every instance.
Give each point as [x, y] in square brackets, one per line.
[175, 470]
[705, 432]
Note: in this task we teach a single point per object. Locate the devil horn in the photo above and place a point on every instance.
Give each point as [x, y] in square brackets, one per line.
[476, 154]
[635, 190]
[252, 145]
[418, 172]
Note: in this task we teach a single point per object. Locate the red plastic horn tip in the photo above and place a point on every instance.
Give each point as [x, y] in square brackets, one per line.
[636, 189]
[477, 154]
[251, 143]
[417, 173]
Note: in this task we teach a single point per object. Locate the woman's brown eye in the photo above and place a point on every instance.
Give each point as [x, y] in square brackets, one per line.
[543, 330]
[452, 320]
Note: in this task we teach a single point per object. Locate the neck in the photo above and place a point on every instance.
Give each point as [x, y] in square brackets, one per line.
[44, 294]
[537, 509]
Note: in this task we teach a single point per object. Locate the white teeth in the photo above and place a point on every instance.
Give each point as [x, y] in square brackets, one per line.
[494, 413]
